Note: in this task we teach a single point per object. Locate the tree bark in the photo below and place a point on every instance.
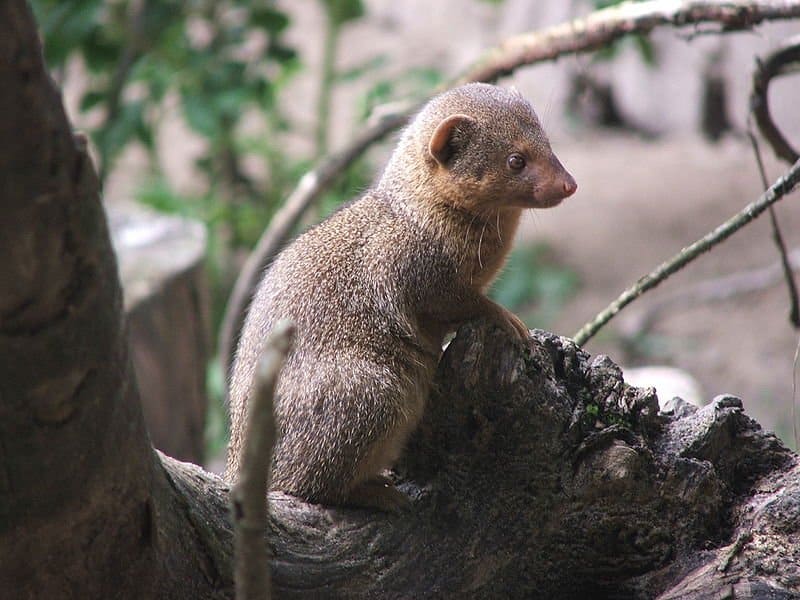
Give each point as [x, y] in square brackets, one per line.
[536, 471]
[86, 508]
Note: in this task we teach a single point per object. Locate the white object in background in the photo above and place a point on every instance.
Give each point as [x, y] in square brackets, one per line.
[668, 381]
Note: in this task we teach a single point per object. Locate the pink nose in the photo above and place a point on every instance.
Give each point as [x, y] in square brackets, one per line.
[569, 186]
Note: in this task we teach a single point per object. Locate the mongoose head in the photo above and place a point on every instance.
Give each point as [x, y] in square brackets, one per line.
[485, 145]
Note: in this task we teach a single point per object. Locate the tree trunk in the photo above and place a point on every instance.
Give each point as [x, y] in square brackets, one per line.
[536, 471]
[86, 508]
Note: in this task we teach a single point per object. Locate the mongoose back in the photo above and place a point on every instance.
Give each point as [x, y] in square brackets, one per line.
[375, 288]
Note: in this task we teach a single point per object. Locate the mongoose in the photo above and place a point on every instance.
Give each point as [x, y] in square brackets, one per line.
[375, 288]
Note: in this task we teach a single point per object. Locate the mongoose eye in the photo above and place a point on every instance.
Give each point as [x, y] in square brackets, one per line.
[516, 162]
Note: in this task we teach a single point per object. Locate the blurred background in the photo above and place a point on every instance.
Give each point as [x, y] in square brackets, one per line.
[203, 115]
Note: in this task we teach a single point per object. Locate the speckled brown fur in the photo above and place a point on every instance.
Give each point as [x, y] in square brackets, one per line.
[376, 287]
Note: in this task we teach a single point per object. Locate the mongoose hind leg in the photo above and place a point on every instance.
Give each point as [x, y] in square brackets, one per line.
[340, 432]
[378, 493]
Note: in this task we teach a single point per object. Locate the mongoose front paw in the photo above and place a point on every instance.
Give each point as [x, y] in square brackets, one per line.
[378, 493]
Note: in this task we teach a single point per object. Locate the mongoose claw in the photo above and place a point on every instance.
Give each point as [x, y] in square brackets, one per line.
[514, 326]
[522, 330]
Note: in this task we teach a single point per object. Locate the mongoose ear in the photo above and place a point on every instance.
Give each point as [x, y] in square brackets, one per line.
[450, 134]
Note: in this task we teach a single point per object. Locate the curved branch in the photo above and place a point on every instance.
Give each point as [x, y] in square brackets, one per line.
[777, 237]
[777, 63]
[779, 189]
[581, 35]
[311, 186]
[135, 47]
[782, 61]
[600, 28]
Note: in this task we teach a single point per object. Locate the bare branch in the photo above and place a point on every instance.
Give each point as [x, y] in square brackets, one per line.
[580, 35]
[780, 62]
[709, 290]
[600, 28]
[777, 237]
[137, 44]
[311, 186]
[779, 189]
[249, 495]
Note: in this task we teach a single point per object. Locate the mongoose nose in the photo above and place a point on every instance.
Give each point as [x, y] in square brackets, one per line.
[569, 187]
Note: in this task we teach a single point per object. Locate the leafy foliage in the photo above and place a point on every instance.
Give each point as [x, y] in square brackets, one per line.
[218, 59]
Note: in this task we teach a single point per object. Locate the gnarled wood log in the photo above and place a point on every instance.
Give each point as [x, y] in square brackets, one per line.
[539, 473]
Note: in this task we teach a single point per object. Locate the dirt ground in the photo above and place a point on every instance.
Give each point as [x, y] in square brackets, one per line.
[637, 204]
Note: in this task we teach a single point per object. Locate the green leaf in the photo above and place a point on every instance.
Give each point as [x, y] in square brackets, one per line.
[91, 99]
[200, 114]
[531, 280]
[158, 195]
[279, 52]
[155, 75]
[100, 53]
[342, 11]
[65, 26]
[123, 129]
[231, 102]
[263, 92]
[598, 4]
[144, 133]
[269, 19]
[646, 49]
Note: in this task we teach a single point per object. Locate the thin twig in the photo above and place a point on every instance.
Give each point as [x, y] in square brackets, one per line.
[581, 35]
[779, 189]
[709, 290]
[249, 494]
[777, 63]
[777, 236]
[310, 187]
